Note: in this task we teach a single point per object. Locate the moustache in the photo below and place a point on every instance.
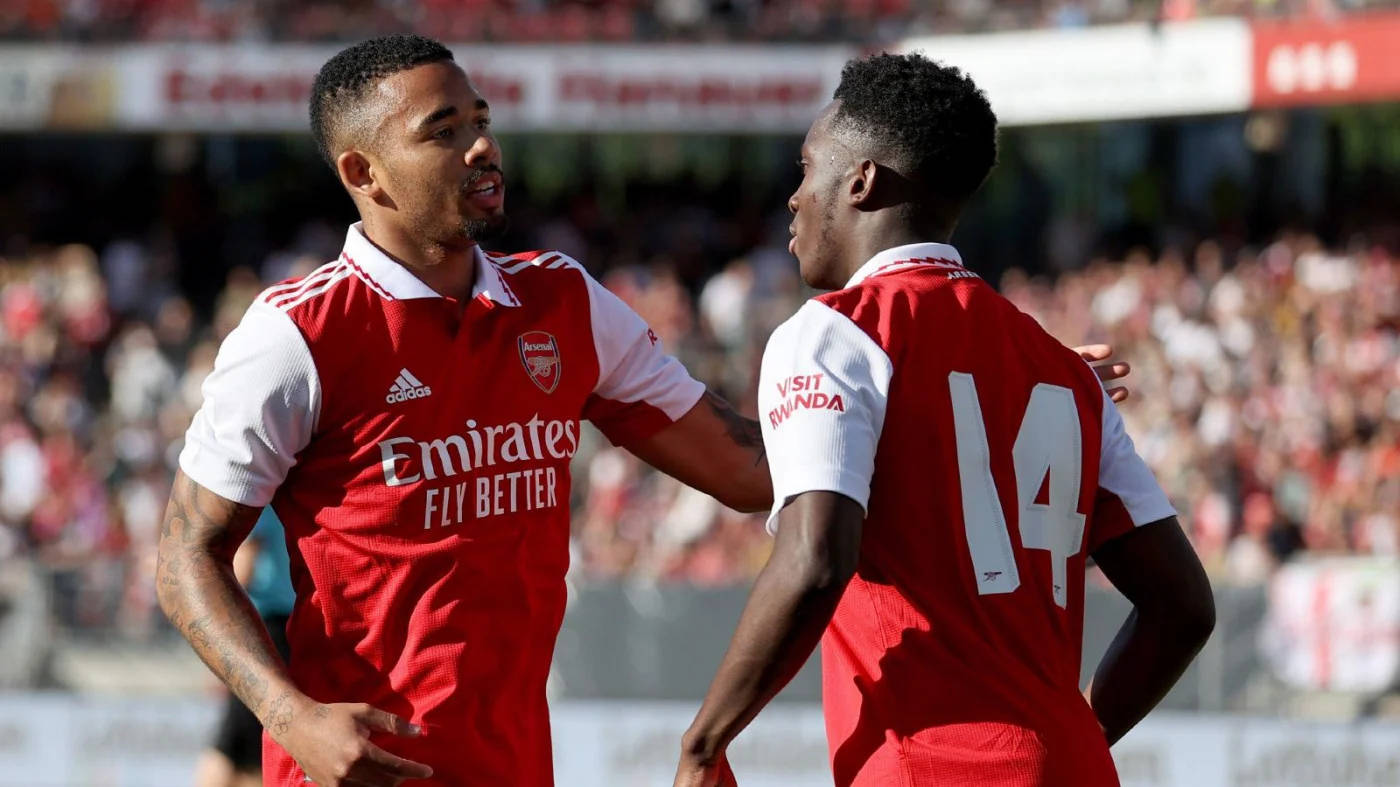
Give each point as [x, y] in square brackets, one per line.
[479, 173]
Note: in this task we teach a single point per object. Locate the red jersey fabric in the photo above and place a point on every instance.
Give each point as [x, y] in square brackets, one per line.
[419, 459]
[986, 453]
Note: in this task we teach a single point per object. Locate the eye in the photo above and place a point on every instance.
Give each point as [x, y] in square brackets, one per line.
[484, 124]
[446, 132]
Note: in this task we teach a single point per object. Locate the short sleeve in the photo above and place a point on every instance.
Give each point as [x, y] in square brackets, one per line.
[822, 393]
[1128, 494]
[640, 388]
[260, 407]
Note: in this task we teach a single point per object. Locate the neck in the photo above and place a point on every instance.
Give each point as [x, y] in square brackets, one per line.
[886, 232]
[449, 270]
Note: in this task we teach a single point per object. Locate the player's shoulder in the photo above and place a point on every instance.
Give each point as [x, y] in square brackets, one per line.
[302, 296]
[816, 313]
[848, 301]
[819, 324]
[879, 307]
[541, 276]
[1054, 361]
[269, 334]
[533, 263]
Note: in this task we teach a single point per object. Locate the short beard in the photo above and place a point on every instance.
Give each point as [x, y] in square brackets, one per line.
[829, 279]
[479, 230]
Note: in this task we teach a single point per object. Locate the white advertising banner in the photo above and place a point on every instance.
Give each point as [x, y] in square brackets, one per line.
[599, 744]
[26, 84]
[1049, 76]
[59, 740]
[51, 87]
[1174, 750]
[619, 744]
[1104, 73]
[531, 88]
[1334, 624]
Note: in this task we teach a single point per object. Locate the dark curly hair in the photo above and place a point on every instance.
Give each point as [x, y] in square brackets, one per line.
[930, 119]
[346, 78]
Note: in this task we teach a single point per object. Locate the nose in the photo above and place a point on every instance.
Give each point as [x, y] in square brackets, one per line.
[483, 151]
[792, 204]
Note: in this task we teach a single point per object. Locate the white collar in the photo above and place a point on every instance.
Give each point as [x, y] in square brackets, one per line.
[911, 255]
[393, 280]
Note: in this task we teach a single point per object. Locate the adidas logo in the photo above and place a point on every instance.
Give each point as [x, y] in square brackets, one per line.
[406, 387]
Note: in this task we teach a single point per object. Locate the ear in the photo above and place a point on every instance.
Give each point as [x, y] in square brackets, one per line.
[357, 174]
[861, 190]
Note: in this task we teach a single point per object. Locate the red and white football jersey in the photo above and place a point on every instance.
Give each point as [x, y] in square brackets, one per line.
[418, 454]
[990, 462]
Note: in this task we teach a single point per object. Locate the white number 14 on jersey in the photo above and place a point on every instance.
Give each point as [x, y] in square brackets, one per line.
[1048, 441]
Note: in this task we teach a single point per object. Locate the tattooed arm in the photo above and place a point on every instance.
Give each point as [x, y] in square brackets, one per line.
[198, 592]
[716, 450]
[196, 587]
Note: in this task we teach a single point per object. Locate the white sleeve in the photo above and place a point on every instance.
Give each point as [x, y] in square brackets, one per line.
[822, 393]
[260, 406]
[1123, 475]
[632, 366]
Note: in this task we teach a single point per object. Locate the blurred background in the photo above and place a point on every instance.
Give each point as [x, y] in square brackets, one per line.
[1211, 185]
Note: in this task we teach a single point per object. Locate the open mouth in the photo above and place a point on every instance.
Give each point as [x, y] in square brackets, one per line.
[485, 183]
[487, 191]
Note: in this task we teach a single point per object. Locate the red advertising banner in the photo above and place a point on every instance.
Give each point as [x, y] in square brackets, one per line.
[1346, 60]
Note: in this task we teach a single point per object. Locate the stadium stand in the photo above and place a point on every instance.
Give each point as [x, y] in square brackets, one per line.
[605, 20]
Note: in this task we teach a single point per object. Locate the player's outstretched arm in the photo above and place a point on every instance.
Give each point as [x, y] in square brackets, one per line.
[716, 450]
[814, 557]
[197, 590]
[1173, 614]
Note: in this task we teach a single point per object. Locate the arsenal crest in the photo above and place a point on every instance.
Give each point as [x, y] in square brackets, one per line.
[540, 355]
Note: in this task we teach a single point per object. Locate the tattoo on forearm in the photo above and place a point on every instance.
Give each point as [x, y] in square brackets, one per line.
[202, 599]
[743, 431]
[280, 713]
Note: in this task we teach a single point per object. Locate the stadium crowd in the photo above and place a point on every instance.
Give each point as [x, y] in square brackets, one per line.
[1267, 397]
[1268, 389]
[599, 20]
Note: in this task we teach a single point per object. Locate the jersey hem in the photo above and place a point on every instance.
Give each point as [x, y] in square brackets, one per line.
[842, 482]
[235, 491]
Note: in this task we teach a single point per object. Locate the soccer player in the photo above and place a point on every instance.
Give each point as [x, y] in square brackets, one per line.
[942, 470]
[409, 411]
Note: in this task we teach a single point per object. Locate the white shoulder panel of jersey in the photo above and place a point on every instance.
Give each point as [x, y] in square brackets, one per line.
[548, 259]
[319, 281]
[632, 365]
[823, 390]
[261, 404]
[1123, 473]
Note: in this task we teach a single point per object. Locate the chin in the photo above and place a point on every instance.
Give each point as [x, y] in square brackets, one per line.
[486, 228]
[815, 278]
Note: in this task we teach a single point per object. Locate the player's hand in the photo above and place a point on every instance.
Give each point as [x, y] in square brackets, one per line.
[694, 773]
[1096, 355]
[331, 744]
